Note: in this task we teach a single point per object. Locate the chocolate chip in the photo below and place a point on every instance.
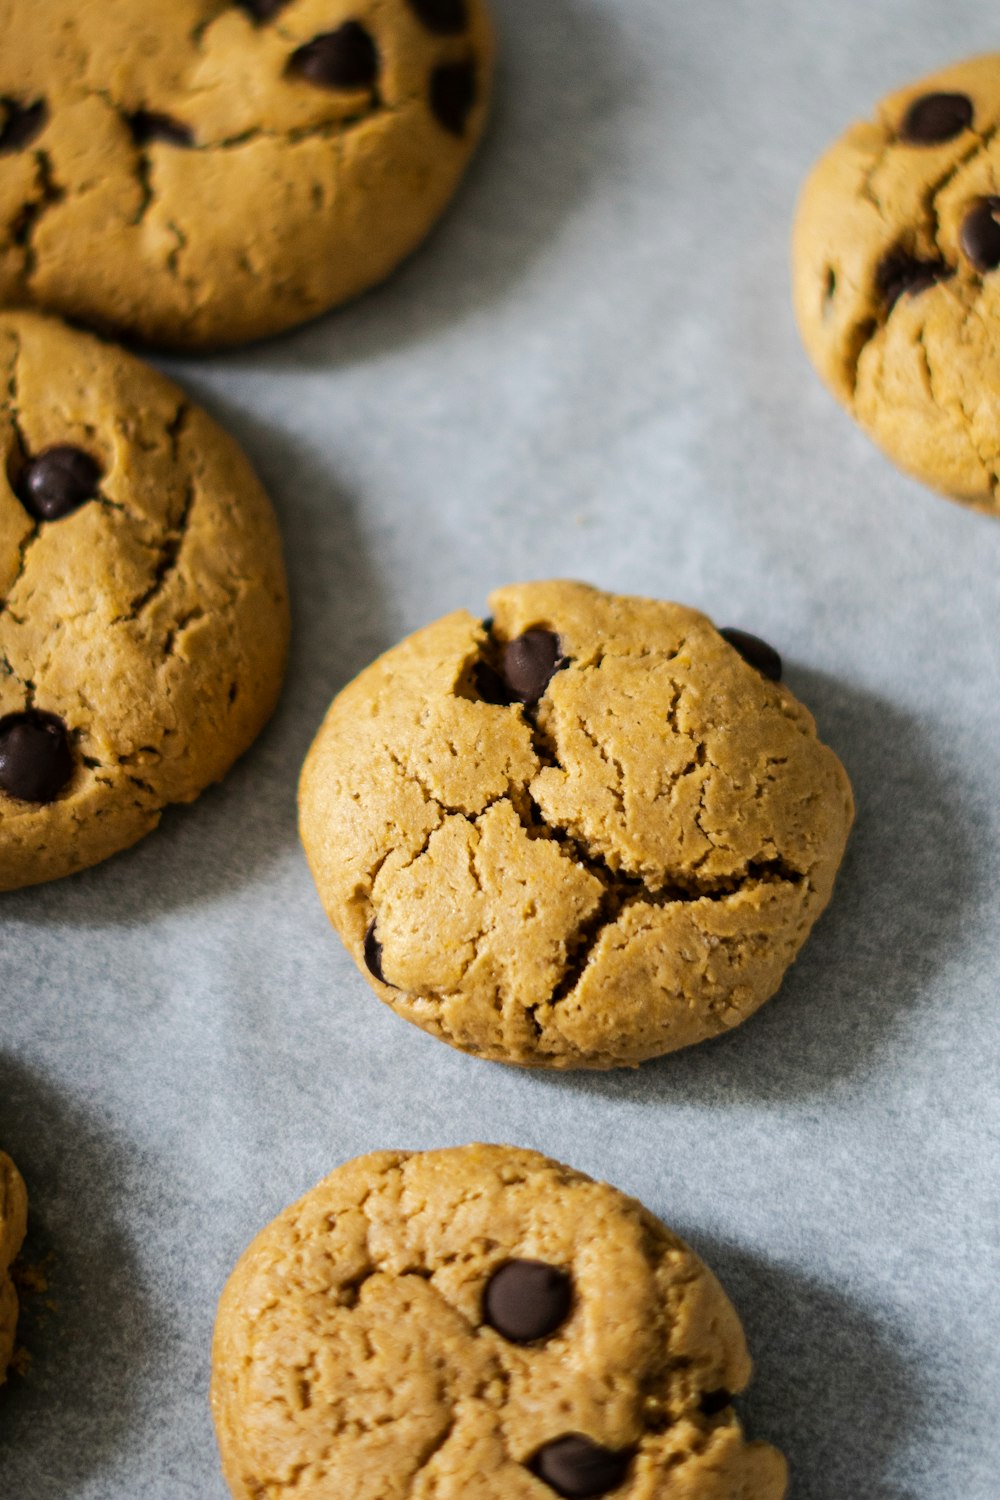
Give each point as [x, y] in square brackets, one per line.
[443, 17]
[529, 664]
[714, 1401]
[35, 757]
[755, 651]
[934, 118]
[526, 1300]
[575, 1467]
[341, 59]
[149, 125]
[453, 93]
[489, 684]
[899, 272]
[23, 123]
[373, 954]
[262, 10]
[980, 234]
[57, 481]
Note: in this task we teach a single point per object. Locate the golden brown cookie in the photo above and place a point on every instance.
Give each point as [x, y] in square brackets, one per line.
[479, 1324]
[896, 273]
[143, 608]
[583, 834]
[201, 172]
[13, 1223]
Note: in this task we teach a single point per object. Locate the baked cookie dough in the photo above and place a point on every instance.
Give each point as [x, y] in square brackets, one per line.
[201, 172]
[143, 609]
[896, 272]
[13, 1223]
[479, 1324]
[586, 832]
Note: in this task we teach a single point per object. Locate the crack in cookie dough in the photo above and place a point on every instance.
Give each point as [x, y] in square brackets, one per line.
[353, 1353]
[916, 364]
[187, 184]
[626, 867]
[13, 1223]
[150, 620]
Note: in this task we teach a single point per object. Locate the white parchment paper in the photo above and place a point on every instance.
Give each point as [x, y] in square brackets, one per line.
[590, 371]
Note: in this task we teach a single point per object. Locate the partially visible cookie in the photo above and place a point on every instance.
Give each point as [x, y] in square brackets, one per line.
[143, 607]
[13, 1223]
[479, 1323]
[583, 833]
[201, 172]
[896, 276]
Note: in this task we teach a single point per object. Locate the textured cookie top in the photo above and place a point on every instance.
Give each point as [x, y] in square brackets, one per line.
[203, 171]
[478, 1324]
[622, 862]
[143, 612]
[13, 1223]
[896, 253]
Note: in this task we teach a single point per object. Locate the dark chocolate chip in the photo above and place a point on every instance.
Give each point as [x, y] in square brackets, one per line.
[714, 1401]
[489, 684]
[36, 761]
[529, 664]
[934, 118]
[526, 1300]
[373, 954]
[443, 17]
[576, 1468]
[262, 10]
[453, 93]
[23, 123]
[341, 59]
[899, 272]
[755, 651]
[979, 236]
[57, 481]
[150, 125]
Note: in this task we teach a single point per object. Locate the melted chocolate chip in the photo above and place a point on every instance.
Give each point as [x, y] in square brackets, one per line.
[57, 481]
[262, 10]
[23, 123]
[149, 125]
[529, 664]
[899, 272]
[443, 17]
[373, 954]
[489, 684]
[341, 59]
[36, 761]
[453, 93]
[755, 651]
[934, 118]
[713, 1402]
[577, 1468]
[527, 1300]
[979, 236]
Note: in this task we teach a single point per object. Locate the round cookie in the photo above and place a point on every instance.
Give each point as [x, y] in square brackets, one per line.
[896, 276]
[202, 172]
[479, 1323]
[582, 834]
[143, 607]
[13, 1223]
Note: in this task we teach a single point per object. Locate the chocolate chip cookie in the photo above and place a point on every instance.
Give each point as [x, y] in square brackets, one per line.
[587, 831]
[479, 1324]
[201, 172]
[896, 271]
[13, 1223]
[143, 608]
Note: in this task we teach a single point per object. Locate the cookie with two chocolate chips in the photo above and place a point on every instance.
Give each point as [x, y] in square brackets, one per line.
[587, 831]
[480, 1323]
[196, 173]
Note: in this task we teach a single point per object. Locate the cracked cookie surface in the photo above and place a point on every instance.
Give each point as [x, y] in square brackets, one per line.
[895, 259]
[13, 1223]
[620, 864]
[358, 1352]
[143, 607]
[201, 172]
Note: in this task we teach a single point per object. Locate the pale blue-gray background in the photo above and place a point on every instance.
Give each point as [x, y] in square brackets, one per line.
[592, 370]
